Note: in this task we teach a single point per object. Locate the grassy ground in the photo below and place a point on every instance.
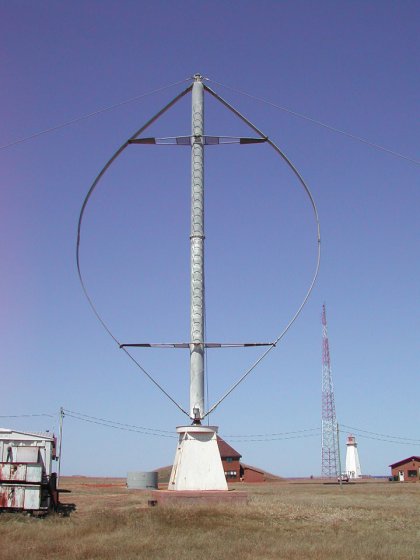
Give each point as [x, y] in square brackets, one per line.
[292, 521]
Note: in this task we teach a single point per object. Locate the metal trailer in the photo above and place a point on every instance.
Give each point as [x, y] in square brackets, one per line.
[26, 479]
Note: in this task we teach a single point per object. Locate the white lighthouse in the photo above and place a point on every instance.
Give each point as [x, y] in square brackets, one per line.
[352, 459]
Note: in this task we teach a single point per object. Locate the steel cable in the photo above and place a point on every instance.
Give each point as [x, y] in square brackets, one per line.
[89, 115]
[94, 185]
[79, 230]
[319, 123]
[318, 259]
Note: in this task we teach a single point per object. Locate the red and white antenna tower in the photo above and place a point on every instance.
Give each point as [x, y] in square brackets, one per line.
[329, 453]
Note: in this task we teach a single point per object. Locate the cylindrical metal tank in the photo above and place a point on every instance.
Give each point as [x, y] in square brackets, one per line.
[142, 480]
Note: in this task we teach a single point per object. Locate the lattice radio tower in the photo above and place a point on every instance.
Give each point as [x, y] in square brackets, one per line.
[329, 453]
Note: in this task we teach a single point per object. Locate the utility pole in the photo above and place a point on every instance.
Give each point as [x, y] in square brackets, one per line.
[339, 456]
[60, 443]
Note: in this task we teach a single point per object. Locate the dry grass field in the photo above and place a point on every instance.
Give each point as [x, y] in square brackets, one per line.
[285, 520]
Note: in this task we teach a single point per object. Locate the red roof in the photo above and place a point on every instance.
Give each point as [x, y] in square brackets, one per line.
[403, 461]
[226, 450]
[249, 468]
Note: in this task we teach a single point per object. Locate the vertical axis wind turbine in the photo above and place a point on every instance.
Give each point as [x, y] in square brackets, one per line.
[197, 464]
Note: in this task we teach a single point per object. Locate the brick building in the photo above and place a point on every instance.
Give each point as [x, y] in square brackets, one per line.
[235, 471]
[251, 474]
[406, 470]
[230, 460]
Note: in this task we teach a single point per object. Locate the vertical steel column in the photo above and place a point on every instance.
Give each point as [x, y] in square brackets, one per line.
[197, 253]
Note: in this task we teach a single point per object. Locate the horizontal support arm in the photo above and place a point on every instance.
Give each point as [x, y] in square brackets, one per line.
[190, 140]
[189, 344]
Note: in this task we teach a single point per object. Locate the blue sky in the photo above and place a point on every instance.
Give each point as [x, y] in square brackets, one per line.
[351, 65]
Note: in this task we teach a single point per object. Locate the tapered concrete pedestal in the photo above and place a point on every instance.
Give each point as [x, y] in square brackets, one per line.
[197, 465]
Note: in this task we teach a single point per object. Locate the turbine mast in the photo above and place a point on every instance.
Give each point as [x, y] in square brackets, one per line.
[197, 253]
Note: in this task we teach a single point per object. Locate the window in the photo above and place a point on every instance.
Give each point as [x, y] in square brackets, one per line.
[230, 474]
[229, 459]
[411, 473]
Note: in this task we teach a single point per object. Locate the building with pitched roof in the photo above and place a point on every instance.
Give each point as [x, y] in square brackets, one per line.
[230, 460]
[235, 471]
[406, 470]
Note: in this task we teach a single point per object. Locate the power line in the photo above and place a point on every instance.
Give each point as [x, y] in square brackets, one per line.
[165, 433]
[320, 123]
[244, 438]
[358, 430]
[68, 412]
[89, 115]
[274, 434]
[26, 415]
[386, 440]
[118, 426]
[265, 439]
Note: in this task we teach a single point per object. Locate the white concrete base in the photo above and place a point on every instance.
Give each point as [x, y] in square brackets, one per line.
[197, 464]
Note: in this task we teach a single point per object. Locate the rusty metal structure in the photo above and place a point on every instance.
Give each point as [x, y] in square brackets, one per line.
[27, 482]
